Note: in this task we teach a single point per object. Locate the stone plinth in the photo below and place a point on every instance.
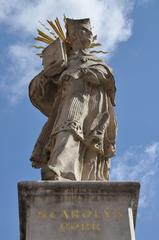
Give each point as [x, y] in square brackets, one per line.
[53, 210]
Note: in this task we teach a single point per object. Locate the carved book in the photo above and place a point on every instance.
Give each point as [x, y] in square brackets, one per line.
[55, 57]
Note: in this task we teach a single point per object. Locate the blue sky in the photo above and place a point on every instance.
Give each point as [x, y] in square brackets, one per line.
[128, 28]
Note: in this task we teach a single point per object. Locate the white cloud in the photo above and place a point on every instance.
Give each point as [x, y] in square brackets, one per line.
[139, 163]
[6, 8]
[111, 20]
[22, 68]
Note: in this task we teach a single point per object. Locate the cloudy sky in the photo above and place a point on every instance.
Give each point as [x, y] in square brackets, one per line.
[127, 28]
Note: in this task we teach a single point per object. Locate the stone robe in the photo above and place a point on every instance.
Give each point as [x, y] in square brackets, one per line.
[81, 128]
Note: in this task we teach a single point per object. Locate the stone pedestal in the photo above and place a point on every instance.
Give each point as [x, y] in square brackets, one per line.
[51, 210]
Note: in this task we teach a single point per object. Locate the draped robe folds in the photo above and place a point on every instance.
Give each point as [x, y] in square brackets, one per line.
[78, 139]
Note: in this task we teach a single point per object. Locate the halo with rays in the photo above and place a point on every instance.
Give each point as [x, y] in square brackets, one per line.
[54, 30]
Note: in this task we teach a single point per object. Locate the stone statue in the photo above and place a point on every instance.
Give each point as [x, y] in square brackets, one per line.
[76, 92]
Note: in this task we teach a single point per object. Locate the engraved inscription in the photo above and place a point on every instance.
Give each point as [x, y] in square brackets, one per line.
[81, 219]
[79, 227]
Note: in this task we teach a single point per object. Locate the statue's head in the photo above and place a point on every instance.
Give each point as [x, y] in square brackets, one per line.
[79, 33]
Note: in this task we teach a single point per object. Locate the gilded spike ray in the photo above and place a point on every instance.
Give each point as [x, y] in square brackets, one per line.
[56, 29]
[41, 39]
[44, 35]
[59, 27]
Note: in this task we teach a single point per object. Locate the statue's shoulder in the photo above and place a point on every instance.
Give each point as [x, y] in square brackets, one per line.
[42, 93]
[99, 64]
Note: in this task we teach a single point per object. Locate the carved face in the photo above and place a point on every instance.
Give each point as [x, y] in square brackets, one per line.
[85, 36]
[80, 33]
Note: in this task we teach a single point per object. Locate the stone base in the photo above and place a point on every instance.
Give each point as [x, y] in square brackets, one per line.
[51, 210]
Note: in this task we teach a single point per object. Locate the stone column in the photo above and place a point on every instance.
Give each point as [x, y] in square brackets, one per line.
[51, 210]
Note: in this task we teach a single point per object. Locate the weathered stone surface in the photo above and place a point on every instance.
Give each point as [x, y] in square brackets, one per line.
[53, 210]
[54, 53]
[76, 91]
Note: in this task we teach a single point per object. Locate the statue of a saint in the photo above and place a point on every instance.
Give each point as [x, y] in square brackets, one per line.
[77, 95]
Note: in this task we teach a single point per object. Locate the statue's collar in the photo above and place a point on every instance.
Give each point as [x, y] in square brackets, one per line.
[83, 56]
[83, 52]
